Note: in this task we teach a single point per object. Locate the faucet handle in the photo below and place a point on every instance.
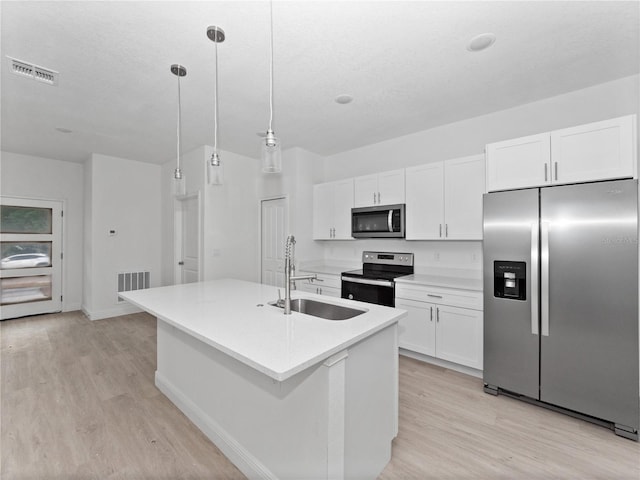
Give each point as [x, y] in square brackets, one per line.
[280, 302]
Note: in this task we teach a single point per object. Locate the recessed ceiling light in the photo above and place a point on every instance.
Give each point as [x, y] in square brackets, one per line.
[63, 130]
[481, 42]
[343, 99]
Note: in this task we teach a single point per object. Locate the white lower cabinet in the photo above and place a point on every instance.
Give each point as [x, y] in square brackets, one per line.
[438, 329]
[325, 284]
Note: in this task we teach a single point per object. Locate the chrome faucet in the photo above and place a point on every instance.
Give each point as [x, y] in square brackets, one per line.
[289, 272]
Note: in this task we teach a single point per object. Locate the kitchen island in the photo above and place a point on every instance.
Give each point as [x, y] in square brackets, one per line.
[282, 396]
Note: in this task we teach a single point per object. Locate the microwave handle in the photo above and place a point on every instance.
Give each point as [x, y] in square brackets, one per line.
[390, 220]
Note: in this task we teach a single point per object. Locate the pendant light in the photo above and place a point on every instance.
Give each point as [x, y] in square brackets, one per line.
[270, 151]
[214, 165]
[179, 183]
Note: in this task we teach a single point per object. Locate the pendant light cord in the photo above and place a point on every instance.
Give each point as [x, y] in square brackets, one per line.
[271, 72]
[179, 127]
[215, 103]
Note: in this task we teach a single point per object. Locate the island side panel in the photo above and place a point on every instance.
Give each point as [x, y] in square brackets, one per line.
[268, 429]
[371, 417]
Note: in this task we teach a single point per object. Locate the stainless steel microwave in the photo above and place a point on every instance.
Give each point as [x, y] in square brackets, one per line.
[380, 221]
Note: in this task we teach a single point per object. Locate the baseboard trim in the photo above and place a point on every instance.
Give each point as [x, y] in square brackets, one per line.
[236, 453]
[124, 309]
[441, 363]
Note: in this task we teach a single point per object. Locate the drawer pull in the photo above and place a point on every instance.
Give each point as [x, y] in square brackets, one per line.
[434, 296]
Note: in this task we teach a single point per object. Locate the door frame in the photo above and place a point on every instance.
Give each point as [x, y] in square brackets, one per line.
[60, 290]
[285, 197]
[177, 235]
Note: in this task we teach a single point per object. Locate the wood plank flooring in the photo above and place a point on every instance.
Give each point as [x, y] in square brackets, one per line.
[78, 402]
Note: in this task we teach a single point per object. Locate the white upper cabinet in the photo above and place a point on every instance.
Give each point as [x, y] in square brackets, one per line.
[444, 200]
[518, 163]
[464, 185]
[332, 203]
[595, 151]
[386, 188]
[425, 202]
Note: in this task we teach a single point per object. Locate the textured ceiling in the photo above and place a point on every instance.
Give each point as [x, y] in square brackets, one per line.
[405, 64]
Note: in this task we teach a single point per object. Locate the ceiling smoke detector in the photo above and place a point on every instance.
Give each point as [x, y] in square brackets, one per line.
[481, 42]
[29, 70]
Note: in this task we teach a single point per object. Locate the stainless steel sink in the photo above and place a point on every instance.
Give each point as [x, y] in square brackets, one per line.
[328, 311]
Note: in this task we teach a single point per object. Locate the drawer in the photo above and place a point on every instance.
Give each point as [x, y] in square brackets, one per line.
[443, 296]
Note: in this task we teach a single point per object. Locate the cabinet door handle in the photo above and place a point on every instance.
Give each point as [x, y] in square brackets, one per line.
[320, 290]
[437, 314]
[431, 315]
[433, 295]
[440, 234]
[374, 198]
[545, 172]
[378, 198]
[446, 229]
[555, 167]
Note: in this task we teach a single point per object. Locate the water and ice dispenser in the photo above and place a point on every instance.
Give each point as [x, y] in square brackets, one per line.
[510, 280]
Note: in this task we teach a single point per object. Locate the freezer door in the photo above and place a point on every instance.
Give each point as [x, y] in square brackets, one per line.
[589, 342]
[511, 342]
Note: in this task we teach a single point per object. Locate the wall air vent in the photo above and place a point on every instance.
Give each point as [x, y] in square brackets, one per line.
[26, 69]
[129, 281]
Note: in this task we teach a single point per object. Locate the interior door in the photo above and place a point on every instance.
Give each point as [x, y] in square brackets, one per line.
[31, 257]
[188, 239]
[511, 342]
[589, 345]
[274, 225]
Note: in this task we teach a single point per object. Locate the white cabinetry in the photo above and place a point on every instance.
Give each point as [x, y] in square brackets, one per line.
[595, 151]
[324, 284]
[386, 188]
[444, 200]
[443, 323]
[332, 203]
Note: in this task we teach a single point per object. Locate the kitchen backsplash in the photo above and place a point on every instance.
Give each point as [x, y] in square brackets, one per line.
[428, 255]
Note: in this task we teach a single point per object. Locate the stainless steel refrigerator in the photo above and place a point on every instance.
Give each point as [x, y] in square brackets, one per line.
[561, 298]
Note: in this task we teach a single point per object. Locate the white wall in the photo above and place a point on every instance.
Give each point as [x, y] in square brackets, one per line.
[301, 169]
[192, 166]
[231, 219]
[469, 137]
[123, 195]
[230, 215]
[36, 177]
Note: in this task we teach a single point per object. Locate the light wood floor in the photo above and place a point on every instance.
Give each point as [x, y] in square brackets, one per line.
[78, 402]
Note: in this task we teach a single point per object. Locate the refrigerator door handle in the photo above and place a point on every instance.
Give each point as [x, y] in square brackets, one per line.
[533, 268]
[544, 280]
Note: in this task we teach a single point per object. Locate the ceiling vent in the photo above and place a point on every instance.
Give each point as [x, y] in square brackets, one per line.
[25, 69]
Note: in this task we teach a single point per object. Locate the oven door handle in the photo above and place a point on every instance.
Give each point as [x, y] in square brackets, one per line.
[390, 220]
[382, 283]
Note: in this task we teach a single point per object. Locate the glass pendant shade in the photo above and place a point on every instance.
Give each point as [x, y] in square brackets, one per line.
[271, 154]
[214, 170]
[179, 186]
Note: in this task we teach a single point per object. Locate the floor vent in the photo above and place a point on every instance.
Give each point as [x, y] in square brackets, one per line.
[25, 69]
[129, 281]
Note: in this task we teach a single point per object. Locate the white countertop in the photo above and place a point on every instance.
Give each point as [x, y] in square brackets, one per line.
[327, 269]
[226, 315]
[445, 281]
